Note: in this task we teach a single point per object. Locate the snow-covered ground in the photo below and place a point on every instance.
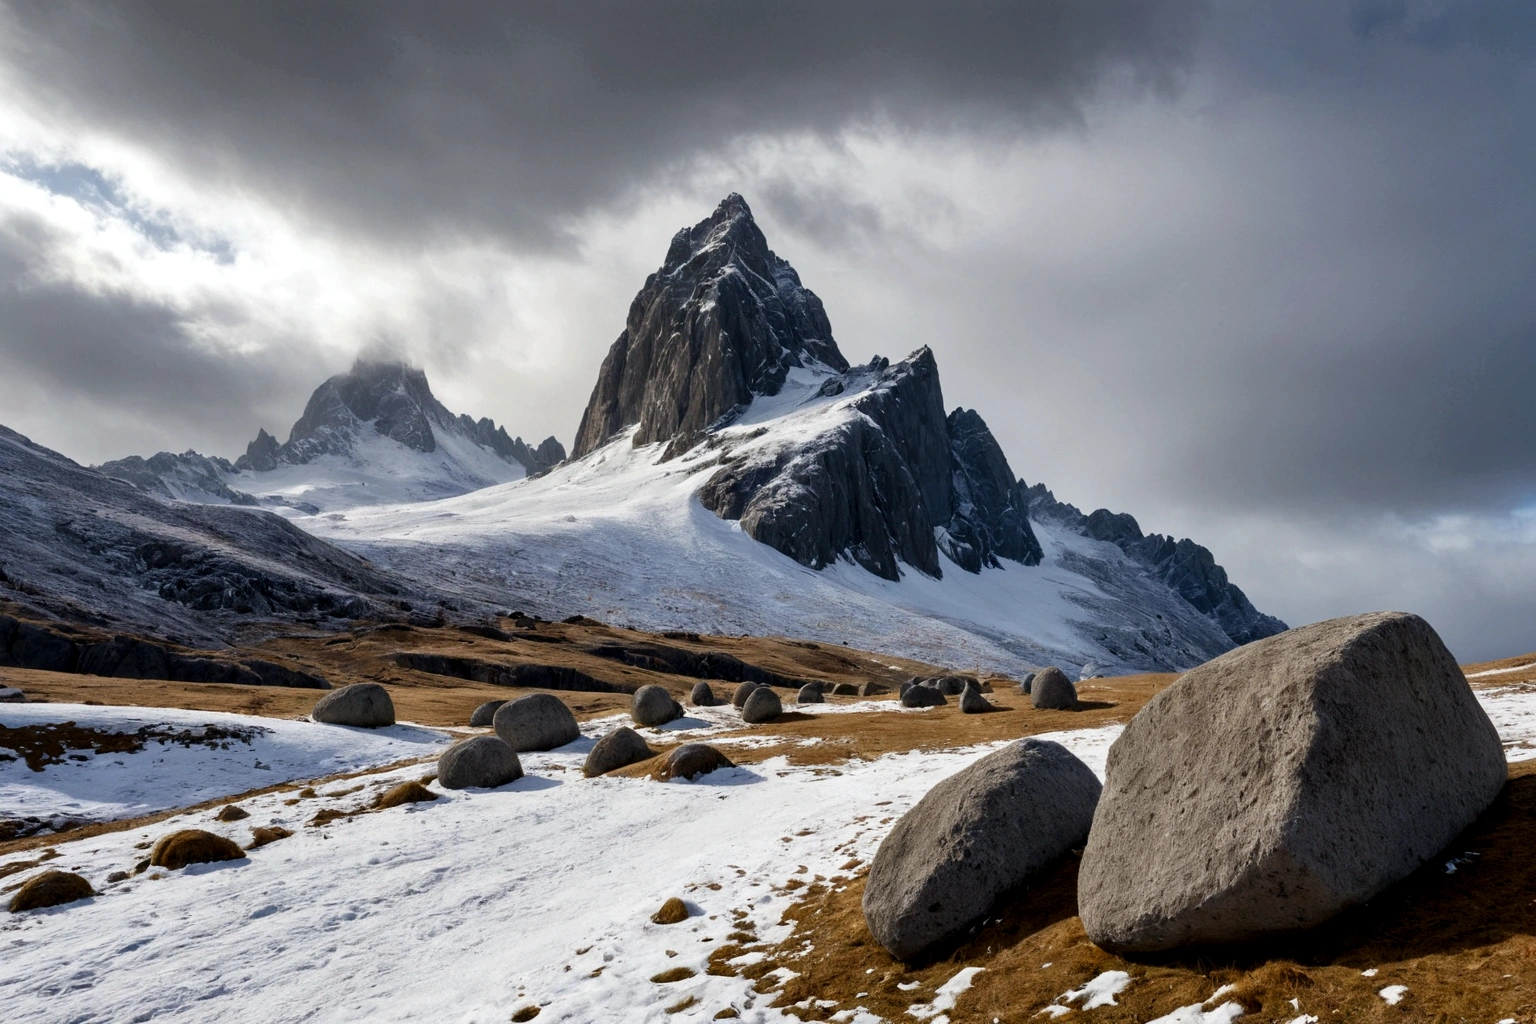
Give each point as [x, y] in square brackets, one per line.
[621, 536]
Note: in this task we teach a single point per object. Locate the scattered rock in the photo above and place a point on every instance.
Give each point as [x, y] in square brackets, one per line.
[262, 835]
[11, 695]
[762, 706]
[845, 690]
[539, 721]
[619, 748]
[118, 876]
[920, 696]
[1052, 690]
[973, 703]
[702, 696]
[524, 1015]
[652, 705]
[1285, 781]
[232, 812]
[739, 698]
[50, 889]
[810, 693]
[483, 762]
[977, 835]
[482, 716]
[672, 912]
[405, 793]
[361, 704]
[691, 760]
[1024, 686]
[873, 689]
[192, 846]
[674, 974]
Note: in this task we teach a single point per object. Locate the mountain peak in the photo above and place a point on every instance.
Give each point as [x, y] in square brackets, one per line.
[721, 322]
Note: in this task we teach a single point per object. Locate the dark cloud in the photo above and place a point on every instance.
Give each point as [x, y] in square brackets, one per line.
[502, 118]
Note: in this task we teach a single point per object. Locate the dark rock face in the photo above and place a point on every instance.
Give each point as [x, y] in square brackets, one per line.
[1051, 690]
[702, 696]
[1284, 782]
[810, 693]
[988, 829]
[260, 454]
[483, 762]
[723, 320]
[1187, 568]
[991, 506]
[763, 705]
[362, 704]
[538, 721]
[619, 749]
[973, 703]
[920, 696]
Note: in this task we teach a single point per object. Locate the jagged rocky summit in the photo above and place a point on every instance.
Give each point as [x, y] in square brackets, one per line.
[375, 433]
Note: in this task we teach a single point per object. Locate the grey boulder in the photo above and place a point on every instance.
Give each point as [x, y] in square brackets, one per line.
[1024, 685]
[483, 762]
[979, 834]
[739, 698]
[921, 696]
[618, 749]
[810, 693]
[653, 705]
[539, 721]
[702, 696]
[482, 716]
[973, 703]
[691, 760]
[762, 705]
[1051, 690]
[362, 704]
[1283, 782]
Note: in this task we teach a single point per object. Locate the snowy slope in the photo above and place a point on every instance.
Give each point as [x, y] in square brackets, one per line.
[620, 535]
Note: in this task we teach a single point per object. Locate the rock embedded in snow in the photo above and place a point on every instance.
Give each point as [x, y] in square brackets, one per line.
[763, 705]
[673, 911]
[539, 721]
[920, 696]
[232, 812]
[691, 760]
[483, 715]
[1286, 781]
[975, 836]
[1051, 690]
[50, 889]
[618, 749]
[483, 762]
[362, 704]
[739, 698]
[192, 846]
[702, 696]
[653, 705]
[810, 693]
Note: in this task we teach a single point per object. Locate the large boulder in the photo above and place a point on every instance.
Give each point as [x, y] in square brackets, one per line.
[1052, 690]
[653, 705]
[987, 829]
[921, 696]
[691, 760]
[482, 716]
[483, 762]
[763, 705]
[192, 846]
[739, 698]
[703, 696]
[362, 704]
[539, 721]
[1282, 782]
[619, 748]
[810, 693]
[50, 889]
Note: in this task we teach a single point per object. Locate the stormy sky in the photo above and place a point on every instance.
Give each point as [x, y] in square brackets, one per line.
[1259, 273]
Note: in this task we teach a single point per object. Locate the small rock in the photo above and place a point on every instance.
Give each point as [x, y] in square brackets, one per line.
[483, 762]
[691, 760]
[702, 696]
[618, 749]
[872, 689]
[810, 693]
[262, 835]
[739, 698]
[973, 703]
[232, 812]
[1052, 690]
[50, 889]
[539, 721]
[483, 715]
[11, 695]
[920, 696]
[118, 876]
[652, 705]
[362, 704]
[192, 846]
[672, 912]
[1024, 685]
[762, 706]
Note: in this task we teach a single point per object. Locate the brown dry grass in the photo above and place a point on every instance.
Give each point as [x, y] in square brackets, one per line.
[1463, 943]
[406, 793]
[50, 889]
[193, 846]
[264, 834]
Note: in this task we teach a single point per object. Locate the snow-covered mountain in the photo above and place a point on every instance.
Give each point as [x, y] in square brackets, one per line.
[375, 434]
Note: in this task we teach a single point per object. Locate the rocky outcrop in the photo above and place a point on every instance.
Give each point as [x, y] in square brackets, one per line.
[1284, 782]
[721, 322]
[188, 476]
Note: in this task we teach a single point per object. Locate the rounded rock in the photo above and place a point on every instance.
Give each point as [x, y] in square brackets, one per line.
[618, 749]
[483, 715]
[50, 889]
[539, 721]
[763, 705]
[366, 705]
[921, 696]
[973, 703]
[739, 698]
[483, 762]
[192, 846]
[703, 696]
[1051, 690]
[810, 693]
[652, 705]
[691, 760]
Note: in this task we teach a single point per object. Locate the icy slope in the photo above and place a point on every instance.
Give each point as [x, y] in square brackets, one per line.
[620, 535]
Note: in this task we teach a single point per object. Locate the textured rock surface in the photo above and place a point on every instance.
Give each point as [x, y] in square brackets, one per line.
[364, 704]
[483, 715]
[810, 693]
[1027, 683]
[739, 698]
[538, 721]
[978, 834]
[723, 320]
[1283, 782]
[483, 762]
[691, 760]
[919, 695]
[1052, 690]
[50, 889]
[653, 705]
[763, 705]
[973, 703]
[703, 696]
[673, 911]
[619, 748]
